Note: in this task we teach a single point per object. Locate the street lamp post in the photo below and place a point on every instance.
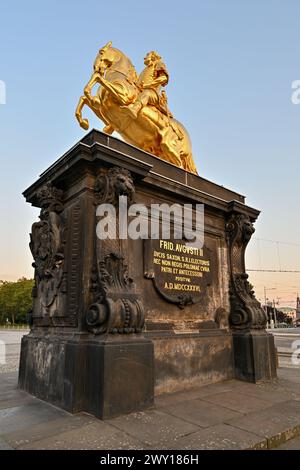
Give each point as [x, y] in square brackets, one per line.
[275, 314]
[266, 307]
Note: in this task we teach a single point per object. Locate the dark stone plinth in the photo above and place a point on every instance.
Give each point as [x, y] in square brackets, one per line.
[100, 307]
[254, 354]
[105, 378]
[187, 360]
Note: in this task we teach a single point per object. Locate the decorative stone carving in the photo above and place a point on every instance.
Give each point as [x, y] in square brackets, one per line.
[221, 318]
[246, 311]
[47, 242]
[114, 183]
[116, 307]
[74, 262]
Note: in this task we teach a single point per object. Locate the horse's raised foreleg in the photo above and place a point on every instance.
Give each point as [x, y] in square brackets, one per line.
[95, 78]
[84, 123]
[93, 102]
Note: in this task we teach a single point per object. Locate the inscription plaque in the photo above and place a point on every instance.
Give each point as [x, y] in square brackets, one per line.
[180, 273]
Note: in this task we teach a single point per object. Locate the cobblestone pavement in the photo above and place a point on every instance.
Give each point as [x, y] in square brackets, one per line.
[225, 415]
[10, 343]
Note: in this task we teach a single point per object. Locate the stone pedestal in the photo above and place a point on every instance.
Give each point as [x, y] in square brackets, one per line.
[254, 354]
[116, 321]
[186, 360]
[105, 378]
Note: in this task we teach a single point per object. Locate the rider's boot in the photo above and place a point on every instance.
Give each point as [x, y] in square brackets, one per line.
[133, 109]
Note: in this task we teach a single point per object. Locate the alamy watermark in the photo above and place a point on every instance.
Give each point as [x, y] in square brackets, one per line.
[2, 92]
[158, 221]
[2, 352]
[295, 97]
[296, 352]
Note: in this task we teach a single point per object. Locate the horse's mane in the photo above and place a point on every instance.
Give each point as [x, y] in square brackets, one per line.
[133, 76]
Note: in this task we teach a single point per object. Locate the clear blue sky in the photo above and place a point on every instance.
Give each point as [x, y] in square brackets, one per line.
[231, 65]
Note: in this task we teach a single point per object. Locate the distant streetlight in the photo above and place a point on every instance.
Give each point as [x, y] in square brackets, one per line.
[266, 289]
[265, 292]
[274, 312]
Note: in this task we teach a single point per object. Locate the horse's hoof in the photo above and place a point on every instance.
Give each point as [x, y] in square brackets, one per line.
[108, 129]
[85, 124]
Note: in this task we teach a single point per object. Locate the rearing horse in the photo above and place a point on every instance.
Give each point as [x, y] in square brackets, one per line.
[152, 130]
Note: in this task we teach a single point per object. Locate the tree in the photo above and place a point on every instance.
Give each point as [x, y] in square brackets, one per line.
[281, 317]
[15, 300]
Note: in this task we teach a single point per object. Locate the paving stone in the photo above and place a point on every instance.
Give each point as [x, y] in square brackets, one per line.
[11, 377]
[47, 429]
[291, 374]
[284, 387]
[238, 401]
[153, 427]
[13, 398]
[167, 399]
[98, 435]
[288, 384]
[7, 388]
[18, 417]
[198, 392]
[207, 417]
[4, 445]
[290, 407]
[269, 394]
[220, 387]
[276, 423]
[219, 437]
[201, 413]
[7, 384]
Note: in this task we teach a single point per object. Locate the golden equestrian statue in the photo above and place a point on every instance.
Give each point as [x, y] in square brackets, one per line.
[136, 106]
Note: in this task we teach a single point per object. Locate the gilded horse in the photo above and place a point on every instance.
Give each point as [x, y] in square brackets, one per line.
[153, 130]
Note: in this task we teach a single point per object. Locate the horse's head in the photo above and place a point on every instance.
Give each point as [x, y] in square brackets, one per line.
[106, 57]
[111, 58]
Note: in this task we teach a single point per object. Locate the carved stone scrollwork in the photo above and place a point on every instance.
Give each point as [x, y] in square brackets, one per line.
[47, 240]
[116, 307]
[246, 311]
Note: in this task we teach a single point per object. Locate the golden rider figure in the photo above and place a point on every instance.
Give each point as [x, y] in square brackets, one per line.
[136, 106]
[151, 80]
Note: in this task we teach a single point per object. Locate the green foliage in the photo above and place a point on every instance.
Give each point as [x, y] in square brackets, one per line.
[283, 317]
[15, 300]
